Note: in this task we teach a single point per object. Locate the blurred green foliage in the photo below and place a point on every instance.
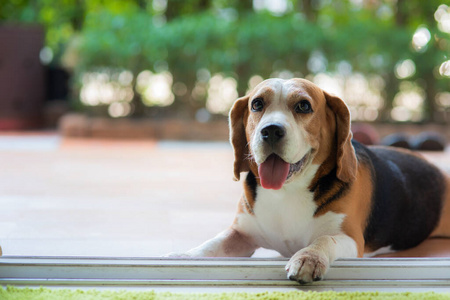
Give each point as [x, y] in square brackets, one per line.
[233, 38]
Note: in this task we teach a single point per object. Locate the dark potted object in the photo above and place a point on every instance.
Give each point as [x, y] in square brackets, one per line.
[22, 77]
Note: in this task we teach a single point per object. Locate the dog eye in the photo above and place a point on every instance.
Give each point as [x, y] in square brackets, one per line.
[303, 107]
[257, 104]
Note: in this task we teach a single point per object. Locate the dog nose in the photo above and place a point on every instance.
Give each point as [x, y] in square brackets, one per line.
[272, 133]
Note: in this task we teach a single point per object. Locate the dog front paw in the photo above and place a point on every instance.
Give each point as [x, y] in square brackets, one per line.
[307, 265]
[195, 252]
[178, 255]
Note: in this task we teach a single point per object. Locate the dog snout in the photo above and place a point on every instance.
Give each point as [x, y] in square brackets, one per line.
[273, 133]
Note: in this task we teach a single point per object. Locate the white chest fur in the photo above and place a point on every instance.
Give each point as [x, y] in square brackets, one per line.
[284, 221]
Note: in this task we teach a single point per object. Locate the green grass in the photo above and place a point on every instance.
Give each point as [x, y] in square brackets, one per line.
[14, 293]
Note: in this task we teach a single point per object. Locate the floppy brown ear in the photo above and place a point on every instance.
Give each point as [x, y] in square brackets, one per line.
[237, 136]
[345, 156]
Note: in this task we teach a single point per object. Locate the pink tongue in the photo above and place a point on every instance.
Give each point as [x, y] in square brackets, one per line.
[273, 172]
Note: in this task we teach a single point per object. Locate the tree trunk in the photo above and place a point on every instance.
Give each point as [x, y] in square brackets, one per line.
[429, 103]
[390, 91]
[308, 10]
[78, 18]
[400, 14]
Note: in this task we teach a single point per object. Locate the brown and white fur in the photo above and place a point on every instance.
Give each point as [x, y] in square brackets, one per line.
[340, 199]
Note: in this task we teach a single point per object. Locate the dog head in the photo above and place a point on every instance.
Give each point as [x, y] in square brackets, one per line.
[283, 126]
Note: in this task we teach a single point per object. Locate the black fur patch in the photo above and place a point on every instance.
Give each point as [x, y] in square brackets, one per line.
[328, 189]
[251, 183]
[406, 199]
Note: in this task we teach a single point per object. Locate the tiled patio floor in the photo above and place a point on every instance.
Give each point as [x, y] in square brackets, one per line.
[86, 197]
[112, 198]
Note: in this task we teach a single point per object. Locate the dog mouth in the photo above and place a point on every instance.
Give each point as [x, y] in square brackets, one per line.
[274, 171]
[297, 167]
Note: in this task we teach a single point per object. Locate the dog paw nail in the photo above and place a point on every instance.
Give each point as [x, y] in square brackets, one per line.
[317, 278]
[302, 281]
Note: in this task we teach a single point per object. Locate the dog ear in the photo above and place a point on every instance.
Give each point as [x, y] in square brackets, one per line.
[237, 136]
[345, 157]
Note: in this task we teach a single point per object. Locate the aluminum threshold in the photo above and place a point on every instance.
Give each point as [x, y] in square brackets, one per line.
[232, 274]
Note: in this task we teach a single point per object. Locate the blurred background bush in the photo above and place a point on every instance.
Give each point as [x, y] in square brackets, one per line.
[389, 59]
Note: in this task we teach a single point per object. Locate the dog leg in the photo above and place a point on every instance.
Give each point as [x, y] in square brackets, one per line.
[311, 263]
[229, 243]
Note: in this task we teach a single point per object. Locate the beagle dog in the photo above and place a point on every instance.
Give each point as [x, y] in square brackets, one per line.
[313, 194]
